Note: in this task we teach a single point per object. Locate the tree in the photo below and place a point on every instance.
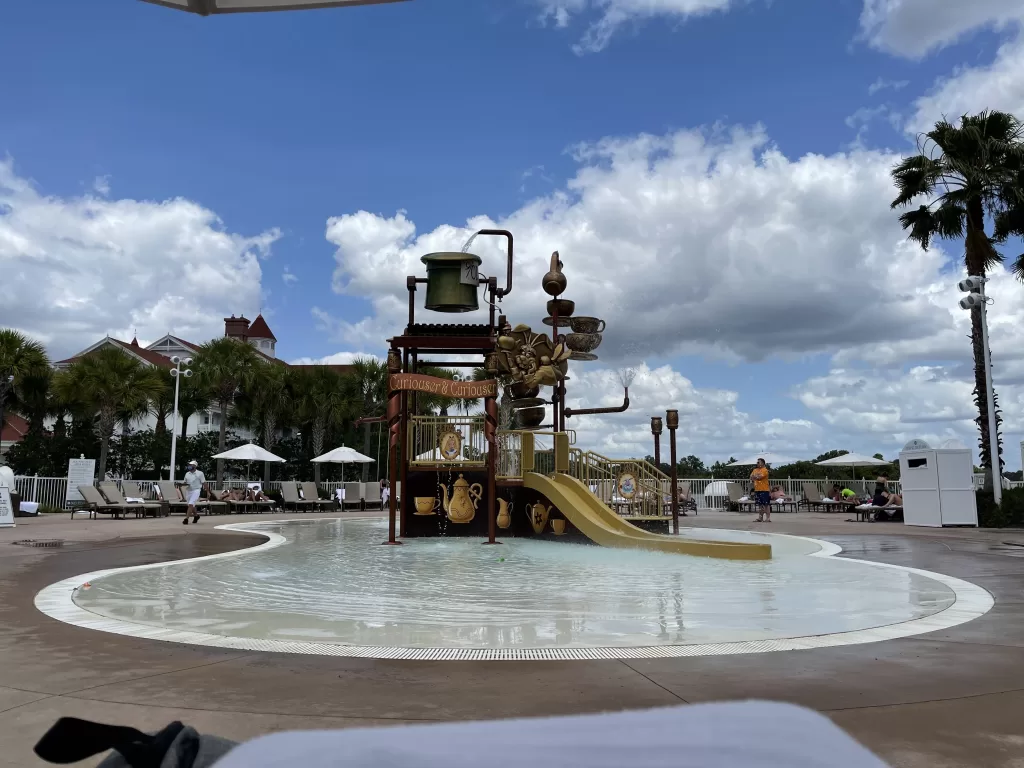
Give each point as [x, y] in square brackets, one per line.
[268, 397]
[320, 400]
[162, 406]
[20, 358]
[107, 384]
[193, 397]
[967, 173]
[225, 365]
[370, 378]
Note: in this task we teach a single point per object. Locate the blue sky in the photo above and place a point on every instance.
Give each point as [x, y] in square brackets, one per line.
[445, 110]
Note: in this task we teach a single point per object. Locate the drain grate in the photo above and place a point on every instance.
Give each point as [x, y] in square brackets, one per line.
[40, 542]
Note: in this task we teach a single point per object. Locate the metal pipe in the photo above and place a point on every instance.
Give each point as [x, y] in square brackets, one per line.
[656, 431]
[672, 420]
[570, 412]
[369, 420]
[508, 280]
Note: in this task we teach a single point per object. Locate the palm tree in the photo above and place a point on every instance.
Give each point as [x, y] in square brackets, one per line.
[193, 397]
[163, 405]
[370, 378]
[225, 365]
[268, 399]
[320, 403]
[965, 173]
[35, 398]
[109, 384]
[20, 357]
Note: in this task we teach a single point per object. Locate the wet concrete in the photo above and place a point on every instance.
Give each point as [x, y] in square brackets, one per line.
[950, 698]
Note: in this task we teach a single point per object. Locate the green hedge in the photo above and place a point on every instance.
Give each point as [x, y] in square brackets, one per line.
[1011, 512]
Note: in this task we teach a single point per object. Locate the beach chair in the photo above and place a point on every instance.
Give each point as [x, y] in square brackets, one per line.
[114, 496]
[686, 501]
[736, 501]
[267, 505]
[176, 501]
[312, 495]
[814, 500]
[130, 490]
[353, 495]
[290, 495]
[96, 503]
[372, 496]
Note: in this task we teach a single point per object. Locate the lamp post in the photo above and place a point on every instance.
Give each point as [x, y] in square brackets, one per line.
[181, 368]
[672, 420]
[656, 431]
[976, 299]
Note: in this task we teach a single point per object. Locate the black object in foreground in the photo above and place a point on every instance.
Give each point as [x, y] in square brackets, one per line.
[176, 746]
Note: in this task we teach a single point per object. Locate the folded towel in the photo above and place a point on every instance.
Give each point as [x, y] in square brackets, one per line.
[133, 500]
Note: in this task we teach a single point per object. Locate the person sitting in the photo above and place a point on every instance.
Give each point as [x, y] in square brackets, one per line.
[847, 495]
[256, 494]
[836, 494]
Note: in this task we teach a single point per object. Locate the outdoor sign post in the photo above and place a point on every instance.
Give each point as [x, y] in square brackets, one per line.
[81, 471]
[6, 508]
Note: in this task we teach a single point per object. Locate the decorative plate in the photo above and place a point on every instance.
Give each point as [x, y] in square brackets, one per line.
[627, 485]
[528, 402]
[450, 444]
[563, 322]
[584, 357]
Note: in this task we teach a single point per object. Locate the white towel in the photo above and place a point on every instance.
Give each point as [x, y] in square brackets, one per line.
[134, 500]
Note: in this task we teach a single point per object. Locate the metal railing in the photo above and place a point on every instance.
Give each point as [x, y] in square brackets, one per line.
[425, 434]
[510, 455]
[650, 499]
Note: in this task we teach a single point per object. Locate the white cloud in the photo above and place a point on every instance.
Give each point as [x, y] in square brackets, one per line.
[882, 84]
[338, 358]
[75, 269]
[716, 244]
[101, 185]
[998, 85]
[613, 14]
[914, 28]
[288, 277]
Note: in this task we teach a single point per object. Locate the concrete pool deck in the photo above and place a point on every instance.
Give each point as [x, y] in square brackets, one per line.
[949, 698]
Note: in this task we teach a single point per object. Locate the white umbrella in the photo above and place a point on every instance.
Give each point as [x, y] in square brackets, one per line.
[343, 456]
[854, 460]
[768, 456]
[249, 453]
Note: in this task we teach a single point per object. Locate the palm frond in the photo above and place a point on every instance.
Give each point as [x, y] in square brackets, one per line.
[921, 225]
[914, 176]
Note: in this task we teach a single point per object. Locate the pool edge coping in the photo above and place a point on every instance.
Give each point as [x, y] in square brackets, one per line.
[57, 602]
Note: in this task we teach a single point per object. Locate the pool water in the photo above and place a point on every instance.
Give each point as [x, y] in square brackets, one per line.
[332, 582]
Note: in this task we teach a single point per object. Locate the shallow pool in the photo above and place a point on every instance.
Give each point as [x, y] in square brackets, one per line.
[332, 582]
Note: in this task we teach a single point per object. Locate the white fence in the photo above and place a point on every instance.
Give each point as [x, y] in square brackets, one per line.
[51, 491]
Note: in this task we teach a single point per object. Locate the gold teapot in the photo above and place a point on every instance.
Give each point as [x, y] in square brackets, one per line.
[461, 508]
[504, 514]
[538, 515]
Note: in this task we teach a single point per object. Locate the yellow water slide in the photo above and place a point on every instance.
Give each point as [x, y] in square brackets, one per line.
[597, 522]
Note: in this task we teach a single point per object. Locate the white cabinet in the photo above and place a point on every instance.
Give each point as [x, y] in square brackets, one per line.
[937, 484]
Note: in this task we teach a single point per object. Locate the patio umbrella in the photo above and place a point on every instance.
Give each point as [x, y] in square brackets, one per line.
[768, 456]
[248, 453]
[854, 460]
[343, 455]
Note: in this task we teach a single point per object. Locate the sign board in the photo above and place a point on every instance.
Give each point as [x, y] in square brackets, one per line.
[461, 390]
[470, 274]
[80, 472]
[6, 508]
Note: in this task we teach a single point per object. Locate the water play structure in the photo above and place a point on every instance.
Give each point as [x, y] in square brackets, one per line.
[471, 475]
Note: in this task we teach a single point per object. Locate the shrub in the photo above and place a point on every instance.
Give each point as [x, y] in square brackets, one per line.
[1010, 512]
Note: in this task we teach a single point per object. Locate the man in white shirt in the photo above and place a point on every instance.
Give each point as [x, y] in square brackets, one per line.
[194, 482]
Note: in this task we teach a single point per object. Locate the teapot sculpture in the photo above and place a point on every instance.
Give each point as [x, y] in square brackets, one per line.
[554, 281]
[461, 507]
[504, 514]
[538, 515]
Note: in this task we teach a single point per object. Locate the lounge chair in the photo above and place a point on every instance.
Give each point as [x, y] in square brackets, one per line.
[176, 502]
[311, 494]
[737, 501]
[290, 494]
[353, 495]
[114, 496]
[813, 500]
[372, 496]
[130, 490]
[96, 503]
[869, 513]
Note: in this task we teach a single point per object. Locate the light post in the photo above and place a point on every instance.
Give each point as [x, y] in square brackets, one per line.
[672, 420]
[656, 431]
[976, 299]
[181, 368]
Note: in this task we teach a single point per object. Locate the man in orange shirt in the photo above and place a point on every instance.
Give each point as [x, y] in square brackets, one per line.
[762, 492]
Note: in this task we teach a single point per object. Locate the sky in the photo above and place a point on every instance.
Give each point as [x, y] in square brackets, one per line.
[714, 174]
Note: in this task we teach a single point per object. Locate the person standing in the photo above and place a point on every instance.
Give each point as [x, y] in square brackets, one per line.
[762, 492]
[194, 482]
